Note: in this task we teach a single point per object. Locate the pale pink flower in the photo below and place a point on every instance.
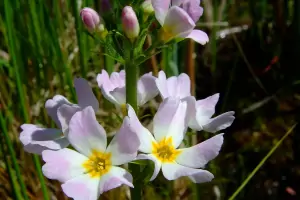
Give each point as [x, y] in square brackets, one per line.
[36, 139]
[177, 20]
[113, 87]
[92, 170]
[199, 112]
[169, 128]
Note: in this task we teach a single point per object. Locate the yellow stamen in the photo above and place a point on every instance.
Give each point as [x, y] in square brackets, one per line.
[164, 150]
[98, 164]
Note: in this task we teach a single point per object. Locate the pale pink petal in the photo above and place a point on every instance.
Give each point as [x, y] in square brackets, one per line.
[184, 85]
[205, 108]
[172, 86]
[177, 2]
[36, 139]
[145, 137]
[199, 155]
[85, 94]
[85, 133]
[191, 113]
[82, 188]
[172, 171]
[118, 79]
[161, 83]
[63, 165]
[124, 145]
[115, 178]
[119, 94]
[220, 122]
[198, 36]
[53, 104]
[193, 8]
[161, 8]
[147, 88]
[157, 163]
[170, 121]
[65, 113]
[106, 86]
[178, 23]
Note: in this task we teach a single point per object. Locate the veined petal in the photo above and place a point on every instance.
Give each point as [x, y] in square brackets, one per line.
[65, 113]
[145, 137]
[198, 36]
[82, 188]
[85, 94]
[161, 83]
[199, 155]
[178, 23]
[184, 85]
[170, 121]
[220, 122]
[53, 104]
[85, 133]
[124, 145]
[115, 178]
[119, 94]
[172, 171]
[191, 113]
[205, 108]
[157, 163]
[193, 8]
[36, 139]
[118, 79]
[147, 88]
[63, 165]
[160, 8]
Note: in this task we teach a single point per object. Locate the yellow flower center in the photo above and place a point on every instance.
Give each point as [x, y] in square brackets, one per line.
[164, 150]
[166, 34]
[98, 164]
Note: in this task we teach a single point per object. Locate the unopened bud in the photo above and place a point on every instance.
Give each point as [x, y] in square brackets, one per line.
[90, 18]
[130, 22]
[147, 7]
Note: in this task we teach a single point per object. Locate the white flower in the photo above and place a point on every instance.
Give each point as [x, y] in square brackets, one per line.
[169, 127]
[93, 169]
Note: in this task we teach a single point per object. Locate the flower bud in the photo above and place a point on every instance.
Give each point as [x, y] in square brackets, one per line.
[90, 18]
[130, 22]
[147, 7]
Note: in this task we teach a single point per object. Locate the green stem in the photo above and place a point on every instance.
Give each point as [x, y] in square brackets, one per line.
[131, 98]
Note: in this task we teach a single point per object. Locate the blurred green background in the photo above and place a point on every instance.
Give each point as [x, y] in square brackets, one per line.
[252, 60]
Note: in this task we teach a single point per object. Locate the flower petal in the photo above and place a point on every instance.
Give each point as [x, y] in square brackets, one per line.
[184, 85]
[106, 86]
[85, 133]
[177, 2]
[82, 188]
[118, 79]
[161, 84]
[65, 113]
[157, 163]
[119, 94]
[160, 8]
[124, 145]
[193, 8]
[220, 122]
[53, 104]
[198, 36]
[199, 155]
[147, 89]
[115, 178]
[63, 165]
[36, 139]
[85, 94]
[170, 120]
[172, 171]
[145, 137]
[178, 23]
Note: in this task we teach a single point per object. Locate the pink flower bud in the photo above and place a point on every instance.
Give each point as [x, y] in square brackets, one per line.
[90, 18]
[130, 22]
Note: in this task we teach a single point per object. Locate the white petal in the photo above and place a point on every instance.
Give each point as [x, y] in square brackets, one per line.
[161, 8]
[184, 85]
[53, 104]
[82, 188]
[172, 171]
[191, 113]
[85, 133]
[161, 83]
[124, 145]
[157, 163]
[36, 139]
[106, 86]
[170, 121]
[199, 155]
[145, 137]
[118, 79]
[198, 36]
[63, 165]
[119, 94]
[65, 113]
[115, 178]
[147, 88]
[85, 94]
[220, 122]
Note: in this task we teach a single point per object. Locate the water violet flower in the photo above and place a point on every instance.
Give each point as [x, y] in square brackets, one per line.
[93, 169]
[36, 139]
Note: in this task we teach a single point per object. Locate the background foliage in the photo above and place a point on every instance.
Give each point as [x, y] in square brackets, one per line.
[252, 60]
